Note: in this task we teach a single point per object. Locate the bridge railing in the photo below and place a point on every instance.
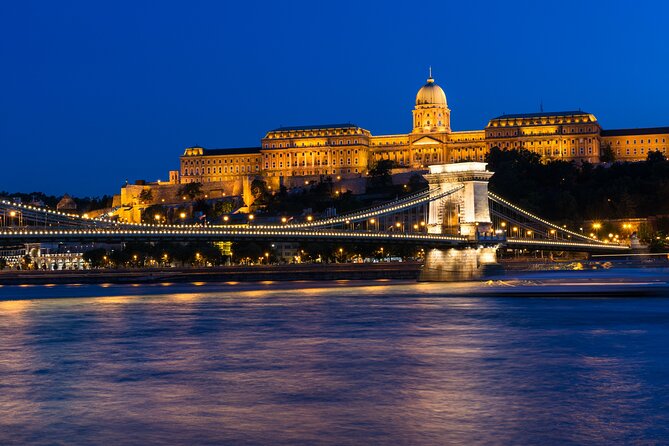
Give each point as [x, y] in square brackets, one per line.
[386, 208]
[538, 226]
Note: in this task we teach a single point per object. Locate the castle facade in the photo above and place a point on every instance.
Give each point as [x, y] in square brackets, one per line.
[292, 155]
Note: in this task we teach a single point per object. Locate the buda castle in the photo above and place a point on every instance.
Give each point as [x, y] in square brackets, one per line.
[290, 156]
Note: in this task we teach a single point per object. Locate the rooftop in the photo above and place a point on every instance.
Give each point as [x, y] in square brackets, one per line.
[232, 151]
[542, 114]
[315, 127]
[642, 131]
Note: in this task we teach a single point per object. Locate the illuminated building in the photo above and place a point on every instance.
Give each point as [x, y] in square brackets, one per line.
[292, 155]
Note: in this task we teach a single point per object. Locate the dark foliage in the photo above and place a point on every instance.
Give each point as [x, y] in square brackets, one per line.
[568, 192]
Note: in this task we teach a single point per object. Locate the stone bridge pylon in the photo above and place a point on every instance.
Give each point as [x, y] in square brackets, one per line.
[467, 213]
[467, 209]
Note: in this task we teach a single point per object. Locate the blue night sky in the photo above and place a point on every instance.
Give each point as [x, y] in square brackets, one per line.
[94, 93]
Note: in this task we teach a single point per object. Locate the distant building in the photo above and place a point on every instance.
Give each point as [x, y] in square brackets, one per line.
[67, 204]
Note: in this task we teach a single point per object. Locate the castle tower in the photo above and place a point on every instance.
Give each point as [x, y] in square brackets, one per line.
[431, 113]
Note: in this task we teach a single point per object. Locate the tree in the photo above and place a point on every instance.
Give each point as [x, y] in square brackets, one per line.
[146, 196]
[149, 214]
[655, 157]
[190, 190]
[3, 263]
[417, 183]
[607, 155]
[95, 257]
[380, 174]
[26, 261]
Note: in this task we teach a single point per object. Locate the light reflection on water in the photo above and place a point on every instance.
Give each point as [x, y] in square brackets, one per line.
[330, 364]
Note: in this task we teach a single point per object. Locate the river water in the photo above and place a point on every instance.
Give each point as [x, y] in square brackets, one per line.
[329, 363]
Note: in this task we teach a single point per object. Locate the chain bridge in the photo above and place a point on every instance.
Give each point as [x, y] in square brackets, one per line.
[459, 223]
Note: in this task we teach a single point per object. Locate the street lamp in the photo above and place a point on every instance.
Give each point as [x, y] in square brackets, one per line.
[596, 227]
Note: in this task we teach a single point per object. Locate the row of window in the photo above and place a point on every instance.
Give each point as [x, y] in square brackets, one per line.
[641, 141]
[642, 150]
[275, 135]
[212, 170]
[318, 144]
[316, 163]
[198, 161]
[304, 154]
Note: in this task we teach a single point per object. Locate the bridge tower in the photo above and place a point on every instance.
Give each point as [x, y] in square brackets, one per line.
[468, 211]
[469, 205]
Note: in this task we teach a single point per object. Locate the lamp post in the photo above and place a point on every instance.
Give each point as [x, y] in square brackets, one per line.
[596, 226]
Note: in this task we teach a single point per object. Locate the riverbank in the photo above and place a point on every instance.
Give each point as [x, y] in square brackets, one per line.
[316, 272]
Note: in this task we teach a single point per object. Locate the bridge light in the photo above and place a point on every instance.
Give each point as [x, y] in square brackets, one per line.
[12, 214]
[372, 220]
[515, 229]
[182, 215]
[251, 216]
[422, 223]
[398, 224]
[529, 232]
[415, 226]
[610, 235]
[503, 224]
[226, 218]
[596, 225]
[284, 219]
[309, 218]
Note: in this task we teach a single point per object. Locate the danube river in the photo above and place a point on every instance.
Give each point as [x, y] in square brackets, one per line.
[329, 363]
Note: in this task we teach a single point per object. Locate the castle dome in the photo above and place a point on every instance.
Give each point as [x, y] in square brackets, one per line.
[431, 94]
